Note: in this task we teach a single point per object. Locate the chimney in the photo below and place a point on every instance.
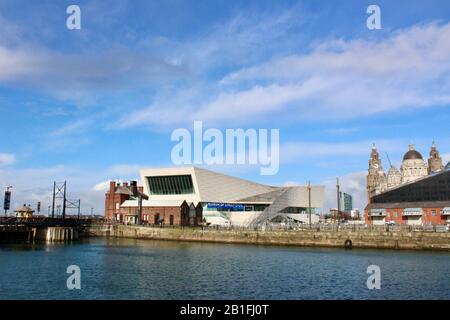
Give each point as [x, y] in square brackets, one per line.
[112, 186]
[125, 184]
[133, 187]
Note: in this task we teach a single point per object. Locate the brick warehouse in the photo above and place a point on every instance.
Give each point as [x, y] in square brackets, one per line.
[121, 206]
[423, 202]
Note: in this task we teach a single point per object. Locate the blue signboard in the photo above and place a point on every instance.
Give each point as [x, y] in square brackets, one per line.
[226, 206]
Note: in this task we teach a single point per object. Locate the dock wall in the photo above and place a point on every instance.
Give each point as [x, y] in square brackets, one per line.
[337, 239]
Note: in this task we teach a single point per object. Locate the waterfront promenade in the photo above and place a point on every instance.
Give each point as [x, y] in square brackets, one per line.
[343, 237]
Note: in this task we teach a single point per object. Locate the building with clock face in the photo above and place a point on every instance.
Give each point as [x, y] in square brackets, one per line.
[413, 168]
[417, 194]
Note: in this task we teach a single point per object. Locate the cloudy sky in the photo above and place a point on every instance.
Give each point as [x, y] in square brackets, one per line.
[99, 103]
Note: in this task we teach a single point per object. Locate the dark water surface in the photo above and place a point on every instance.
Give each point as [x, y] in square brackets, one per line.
[145, 269]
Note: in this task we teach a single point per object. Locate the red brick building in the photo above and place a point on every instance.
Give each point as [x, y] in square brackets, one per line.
[432, 213]
[116, 195]
[121, 206]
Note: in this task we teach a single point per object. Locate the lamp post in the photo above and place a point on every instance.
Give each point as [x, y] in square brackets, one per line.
[338, 200]
[309, 203]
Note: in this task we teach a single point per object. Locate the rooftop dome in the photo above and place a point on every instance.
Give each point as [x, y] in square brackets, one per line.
[412, 154]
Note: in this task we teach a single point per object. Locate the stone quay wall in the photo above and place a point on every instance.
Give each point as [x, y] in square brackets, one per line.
[337, 239]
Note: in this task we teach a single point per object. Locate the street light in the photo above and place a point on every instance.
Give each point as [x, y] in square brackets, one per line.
[309, 203]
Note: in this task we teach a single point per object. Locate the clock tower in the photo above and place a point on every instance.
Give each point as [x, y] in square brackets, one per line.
[376, 178]
[434, 161]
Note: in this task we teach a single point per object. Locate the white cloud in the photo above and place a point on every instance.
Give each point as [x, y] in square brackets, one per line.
[87, 74]
[353, 184]
[295, 151]
[338, 79]
[77, 126]
[7, 159]
[108, 66]
[101, 186]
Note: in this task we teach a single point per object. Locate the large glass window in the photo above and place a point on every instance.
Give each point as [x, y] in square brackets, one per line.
[434, 188]
[181, 184]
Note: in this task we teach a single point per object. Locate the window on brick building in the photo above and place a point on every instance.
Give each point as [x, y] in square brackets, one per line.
[433, 213]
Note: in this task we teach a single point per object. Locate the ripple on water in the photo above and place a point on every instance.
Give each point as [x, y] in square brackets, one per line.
[140, 269]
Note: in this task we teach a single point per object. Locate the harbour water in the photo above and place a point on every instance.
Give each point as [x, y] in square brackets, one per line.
[145, 269]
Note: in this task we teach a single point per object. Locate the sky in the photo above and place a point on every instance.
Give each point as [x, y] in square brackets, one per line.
[99, 103]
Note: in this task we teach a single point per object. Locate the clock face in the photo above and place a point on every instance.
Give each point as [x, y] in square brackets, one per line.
[375, 165]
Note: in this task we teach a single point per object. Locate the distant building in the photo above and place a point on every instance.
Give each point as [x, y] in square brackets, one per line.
[355, 214]
[345, 202]
[412, 169]
[24, 212]
[425, 201]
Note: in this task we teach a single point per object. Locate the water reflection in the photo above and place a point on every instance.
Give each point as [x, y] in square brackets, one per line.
[145, 269]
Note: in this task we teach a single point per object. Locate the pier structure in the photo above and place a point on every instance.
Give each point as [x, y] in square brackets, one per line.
[14, 229]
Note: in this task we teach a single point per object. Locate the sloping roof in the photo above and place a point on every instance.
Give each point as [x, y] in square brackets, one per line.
[24, 209]
[265, 197]
[123, 190]
[218, 187]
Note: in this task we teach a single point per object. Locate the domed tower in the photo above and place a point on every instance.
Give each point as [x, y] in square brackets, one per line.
[434, 161]
[376, 179]
[413, 166]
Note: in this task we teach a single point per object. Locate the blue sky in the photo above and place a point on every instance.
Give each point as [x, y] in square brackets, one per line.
[99, 103]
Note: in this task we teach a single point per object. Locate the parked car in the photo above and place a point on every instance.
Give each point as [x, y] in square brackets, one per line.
[391, 223]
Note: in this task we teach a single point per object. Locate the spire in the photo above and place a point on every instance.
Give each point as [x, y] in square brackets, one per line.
[412, 147]
[374, 147]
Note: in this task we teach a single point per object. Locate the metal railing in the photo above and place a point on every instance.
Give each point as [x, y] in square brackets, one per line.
[319, 227]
